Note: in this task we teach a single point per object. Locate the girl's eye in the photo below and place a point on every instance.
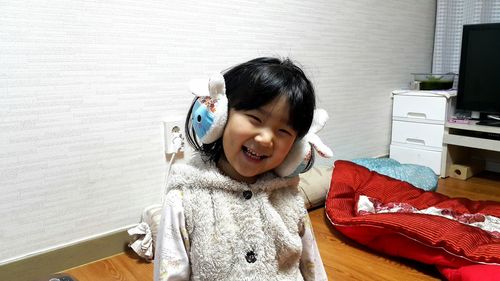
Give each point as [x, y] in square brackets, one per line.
[285, 132]
[254, 118]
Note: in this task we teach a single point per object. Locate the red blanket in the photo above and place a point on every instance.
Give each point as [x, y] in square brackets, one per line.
[458, 235]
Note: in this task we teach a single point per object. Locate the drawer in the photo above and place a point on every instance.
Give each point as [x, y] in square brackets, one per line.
[423, 108]
[420, 134]
[407, 155]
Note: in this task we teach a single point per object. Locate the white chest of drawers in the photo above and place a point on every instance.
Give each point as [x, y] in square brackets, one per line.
[418, 119]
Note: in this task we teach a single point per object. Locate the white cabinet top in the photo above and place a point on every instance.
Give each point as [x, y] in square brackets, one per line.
[436, 93]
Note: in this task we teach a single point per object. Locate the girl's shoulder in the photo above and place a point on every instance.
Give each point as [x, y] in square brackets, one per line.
[173, 198]
[191, 172]
[192, 165]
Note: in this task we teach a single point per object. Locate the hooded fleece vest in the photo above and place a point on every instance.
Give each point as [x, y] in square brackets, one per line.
[240, 231]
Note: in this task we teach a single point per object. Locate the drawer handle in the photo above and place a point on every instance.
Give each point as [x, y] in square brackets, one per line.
[416, 115]
[417, 141]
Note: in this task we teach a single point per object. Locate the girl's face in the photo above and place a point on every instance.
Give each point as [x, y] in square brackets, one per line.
[256, 141]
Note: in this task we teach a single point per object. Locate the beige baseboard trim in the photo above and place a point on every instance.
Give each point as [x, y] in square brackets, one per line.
[35, 267]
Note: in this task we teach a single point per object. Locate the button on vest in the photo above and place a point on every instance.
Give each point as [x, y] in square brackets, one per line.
[247, 194]
[250, 257]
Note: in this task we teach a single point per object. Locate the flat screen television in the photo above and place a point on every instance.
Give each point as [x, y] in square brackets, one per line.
[479, 74]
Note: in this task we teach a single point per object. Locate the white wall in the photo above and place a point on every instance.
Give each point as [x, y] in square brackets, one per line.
[85, 84]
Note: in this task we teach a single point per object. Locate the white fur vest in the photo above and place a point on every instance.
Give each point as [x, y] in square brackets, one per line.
[240, 231]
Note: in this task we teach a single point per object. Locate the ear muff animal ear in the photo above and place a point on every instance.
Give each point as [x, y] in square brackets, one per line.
[301, 157]
[209, 114]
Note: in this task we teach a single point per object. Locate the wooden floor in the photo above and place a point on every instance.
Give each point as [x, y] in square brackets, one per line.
[344, 260]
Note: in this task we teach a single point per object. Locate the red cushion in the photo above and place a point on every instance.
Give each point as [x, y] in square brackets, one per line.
[479, 272]
[426, 238]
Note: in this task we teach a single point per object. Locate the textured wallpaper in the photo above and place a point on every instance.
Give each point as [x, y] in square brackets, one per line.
[84, 86]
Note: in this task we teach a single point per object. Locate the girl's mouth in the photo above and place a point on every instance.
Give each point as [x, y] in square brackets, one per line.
[252, 154]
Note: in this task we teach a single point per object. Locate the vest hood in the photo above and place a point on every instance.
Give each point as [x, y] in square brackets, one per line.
[198, 172]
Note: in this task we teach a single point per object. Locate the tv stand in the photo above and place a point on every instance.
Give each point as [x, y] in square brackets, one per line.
[493, 123]
[458, 137]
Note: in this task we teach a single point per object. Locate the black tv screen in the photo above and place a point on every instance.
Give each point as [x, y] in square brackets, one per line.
[479, 74]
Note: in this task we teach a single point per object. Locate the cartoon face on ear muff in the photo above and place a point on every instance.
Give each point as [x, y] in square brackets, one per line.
[301, 157]
[209, 114]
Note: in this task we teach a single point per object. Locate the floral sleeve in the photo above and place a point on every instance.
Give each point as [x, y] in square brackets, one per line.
[311, 264]
[172, 246]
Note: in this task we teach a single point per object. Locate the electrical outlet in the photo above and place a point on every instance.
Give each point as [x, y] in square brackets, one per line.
[173, 132]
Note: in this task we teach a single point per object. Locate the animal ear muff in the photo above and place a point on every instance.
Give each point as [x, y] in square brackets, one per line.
[297, 161]
[209, 114]
[301, 157]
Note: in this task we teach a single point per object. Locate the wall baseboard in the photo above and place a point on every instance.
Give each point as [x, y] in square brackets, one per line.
[41, 265]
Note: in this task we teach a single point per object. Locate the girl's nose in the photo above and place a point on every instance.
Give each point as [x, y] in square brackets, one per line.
[265, 138]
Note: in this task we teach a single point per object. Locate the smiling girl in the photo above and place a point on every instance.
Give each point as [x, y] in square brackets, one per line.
[231, 212]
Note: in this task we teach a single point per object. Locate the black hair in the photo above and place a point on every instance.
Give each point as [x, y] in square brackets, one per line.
[254, 84]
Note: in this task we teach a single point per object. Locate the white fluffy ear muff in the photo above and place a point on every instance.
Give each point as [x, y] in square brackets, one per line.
[302, 151]
[319, 121]
[214, 86]
[294, 158]
[209, 114]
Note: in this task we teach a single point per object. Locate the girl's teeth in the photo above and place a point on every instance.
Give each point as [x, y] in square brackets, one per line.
[253, 154]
